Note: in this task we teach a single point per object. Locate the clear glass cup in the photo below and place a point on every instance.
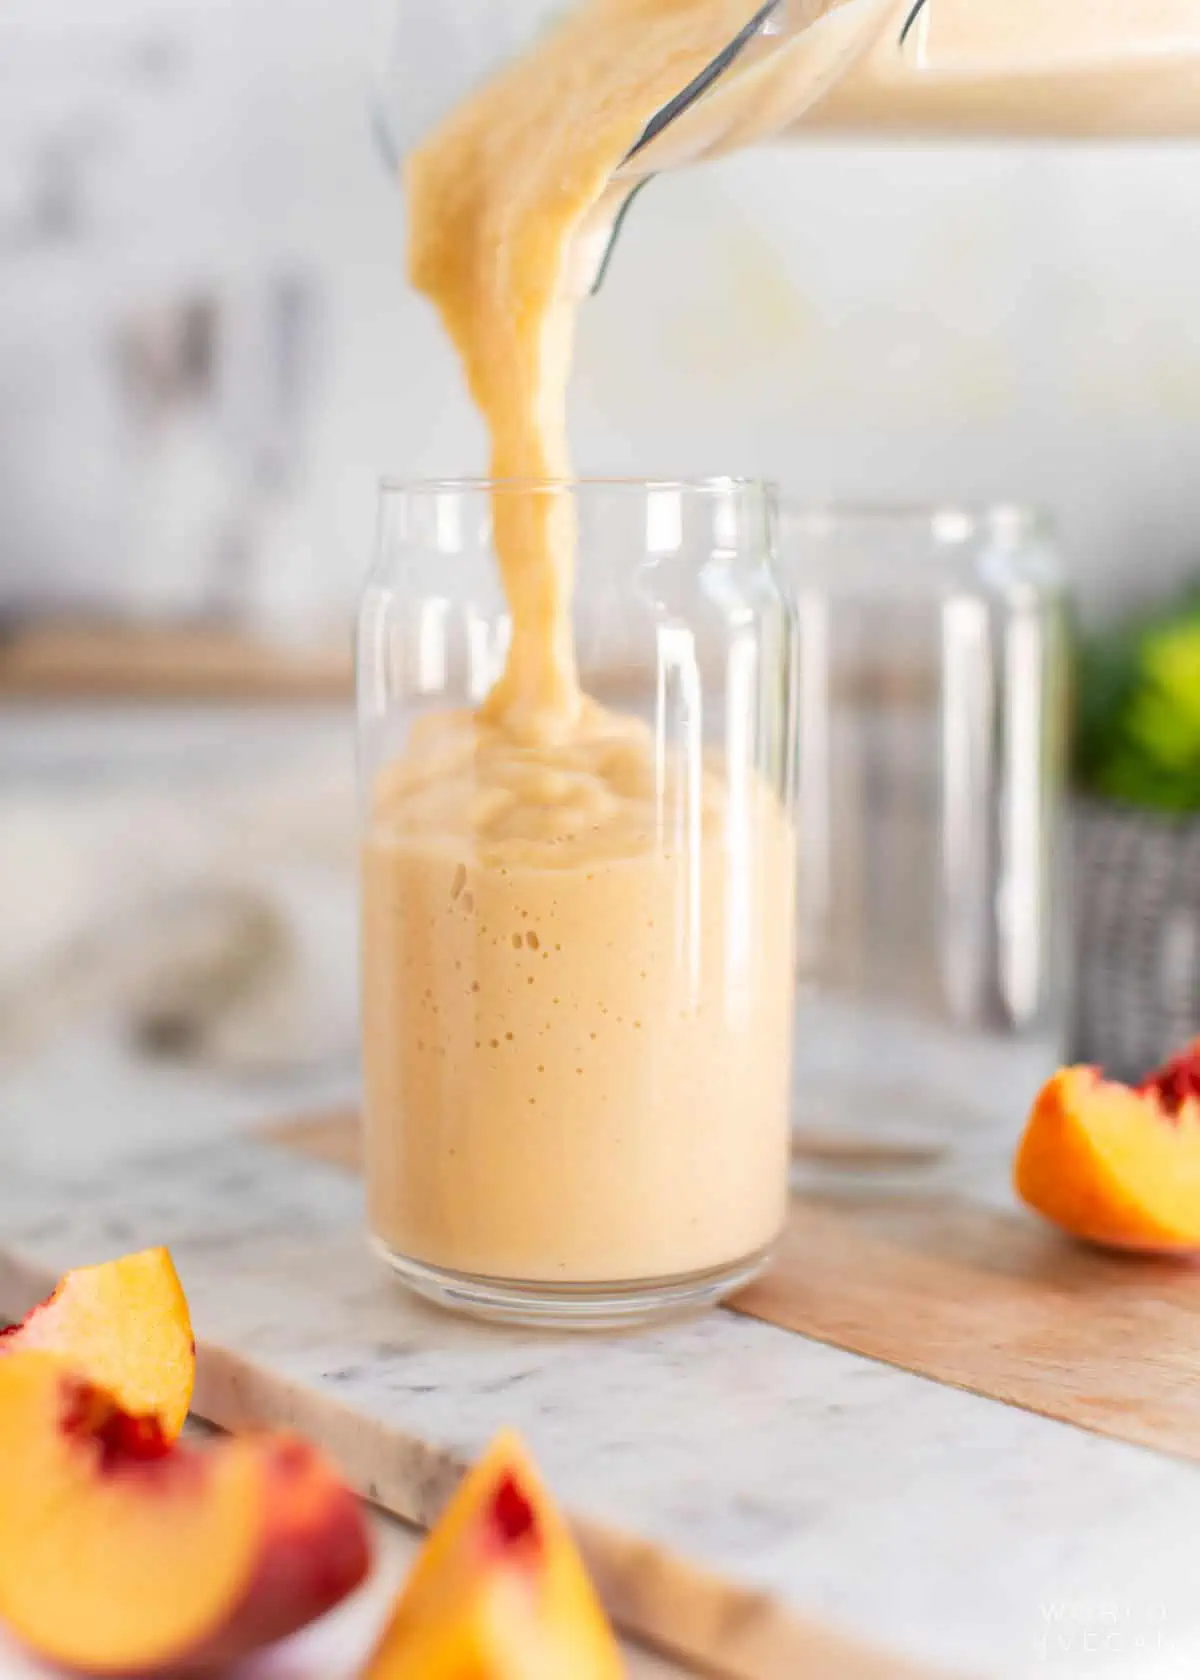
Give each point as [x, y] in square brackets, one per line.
[932, 950]
[578, 953]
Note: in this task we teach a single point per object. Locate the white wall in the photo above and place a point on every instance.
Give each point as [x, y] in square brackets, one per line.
[858, 322]
[987, 322]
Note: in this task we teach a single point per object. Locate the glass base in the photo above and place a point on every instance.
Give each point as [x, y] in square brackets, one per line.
[887, 1098]
[824, 1161]
[572, 1306]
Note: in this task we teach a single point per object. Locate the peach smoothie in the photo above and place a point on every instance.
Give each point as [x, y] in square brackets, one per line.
[577, 1034]
[577, 957]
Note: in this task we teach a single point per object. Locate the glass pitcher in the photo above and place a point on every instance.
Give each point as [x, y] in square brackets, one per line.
[801, 68]
[780, 57]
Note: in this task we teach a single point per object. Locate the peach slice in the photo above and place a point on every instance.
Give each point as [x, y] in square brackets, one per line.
[122, 1553]
[499, 1591]
[125, 1326]
[1117, 1164]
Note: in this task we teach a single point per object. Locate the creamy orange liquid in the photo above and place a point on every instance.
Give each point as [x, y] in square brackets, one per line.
[577, 1027]
[1056, 68]
[578, 965]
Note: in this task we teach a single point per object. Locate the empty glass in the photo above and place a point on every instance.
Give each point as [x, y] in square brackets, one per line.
[930, 918]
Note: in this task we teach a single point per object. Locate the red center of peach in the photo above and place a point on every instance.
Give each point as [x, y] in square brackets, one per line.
[512, 1514]
[1176, 1082]
[122, 1440]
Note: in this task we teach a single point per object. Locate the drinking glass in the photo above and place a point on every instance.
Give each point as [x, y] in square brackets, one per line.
[578, 950]
[931, 937]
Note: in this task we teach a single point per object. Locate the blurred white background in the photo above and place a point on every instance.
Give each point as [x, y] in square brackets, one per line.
[208, 351]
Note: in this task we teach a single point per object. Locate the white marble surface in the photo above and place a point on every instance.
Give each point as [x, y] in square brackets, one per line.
[957, 1530]
[947, 1526]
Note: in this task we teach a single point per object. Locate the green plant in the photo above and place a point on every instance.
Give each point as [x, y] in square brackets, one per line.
[1137, 734]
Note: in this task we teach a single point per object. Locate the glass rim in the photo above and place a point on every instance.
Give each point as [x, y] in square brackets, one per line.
[946, 522]
[710, 485]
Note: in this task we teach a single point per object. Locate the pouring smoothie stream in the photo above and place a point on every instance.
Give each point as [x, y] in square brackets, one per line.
[498, 198]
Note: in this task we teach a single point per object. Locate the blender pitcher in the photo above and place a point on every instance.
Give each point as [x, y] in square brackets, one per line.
[780, 57]
[802, 68]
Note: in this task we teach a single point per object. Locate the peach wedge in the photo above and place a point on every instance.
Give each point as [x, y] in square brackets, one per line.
[124, 1326]
[499, 1591]
[122, 1553]
[1116, 1164]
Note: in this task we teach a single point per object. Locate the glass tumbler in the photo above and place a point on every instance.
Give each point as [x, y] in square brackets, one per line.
[578, 947]
[931, 938]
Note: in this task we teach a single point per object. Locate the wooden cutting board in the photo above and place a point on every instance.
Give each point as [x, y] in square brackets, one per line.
[984, 1300]
[129, 662]
[66, 659]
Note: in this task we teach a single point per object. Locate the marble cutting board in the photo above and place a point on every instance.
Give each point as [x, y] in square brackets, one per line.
[752, 1501]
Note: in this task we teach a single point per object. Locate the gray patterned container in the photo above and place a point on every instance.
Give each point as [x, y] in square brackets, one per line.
[1137, 937]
